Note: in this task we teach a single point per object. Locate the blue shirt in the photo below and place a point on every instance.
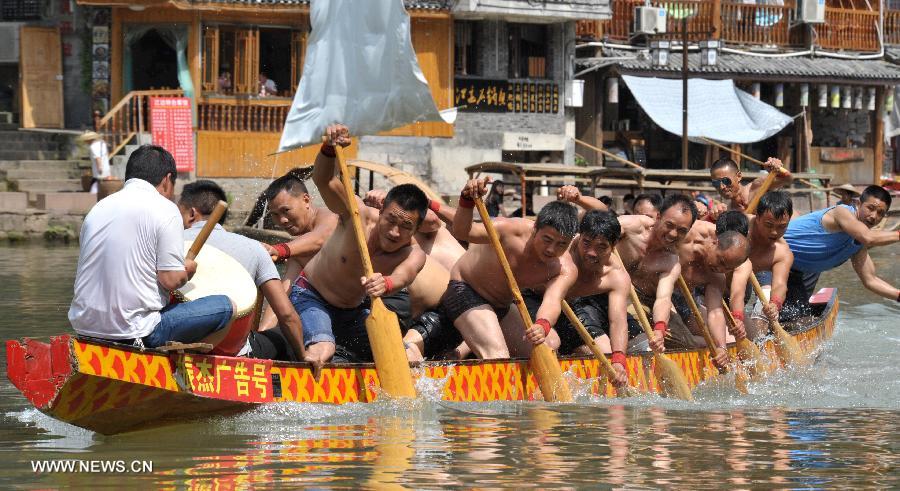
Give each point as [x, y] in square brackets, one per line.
[815, 249]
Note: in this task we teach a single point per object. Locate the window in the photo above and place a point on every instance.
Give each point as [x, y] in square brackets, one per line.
[235, 57]
[528, 51]
[465, 40]
[21, 9]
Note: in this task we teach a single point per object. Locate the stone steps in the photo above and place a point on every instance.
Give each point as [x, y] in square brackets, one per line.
[42, 173]
[32, 136]
[6, 165]
[35, 186]
[31, 154]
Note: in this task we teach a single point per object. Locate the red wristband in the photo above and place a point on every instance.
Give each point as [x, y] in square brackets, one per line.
[545, 324]
[434, 205]
[328, 150]
[660, 326]
[467, 203]
[738, 315]
[388, 284]
[283, 250]
[777, 301]
[618, 357]
[898, 295]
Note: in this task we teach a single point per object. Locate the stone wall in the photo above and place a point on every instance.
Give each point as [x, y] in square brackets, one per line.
[841, 127]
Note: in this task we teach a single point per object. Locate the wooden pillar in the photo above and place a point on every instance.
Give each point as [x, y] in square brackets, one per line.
[194, 48]
[116, 51]
[717, 19]
[878, 134]
[599, 101]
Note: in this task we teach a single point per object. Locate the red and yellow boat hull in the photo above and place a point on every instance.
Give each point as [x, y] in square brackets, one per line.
[110, 388]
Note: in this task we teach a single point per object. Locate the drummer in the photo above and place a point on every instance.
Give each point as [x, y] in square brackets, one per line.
[132, 255]
[198, 199]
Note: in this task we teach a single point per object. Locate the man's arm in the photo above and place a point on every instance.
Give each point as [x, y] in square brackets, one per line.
[556, 291]
[401, 277]
[739, 278]
[865, 269]
[783, 177]
[662, 305]
[781, 268]
[463, 226]
[285, 313]
[292, 269]
[844, 220]
[715, 318]
[573, 195]
[618, 311]
[325, 173]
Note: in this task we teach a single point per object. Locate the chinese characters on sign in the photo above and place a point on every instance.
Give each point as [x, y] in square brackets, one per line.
[170, 125]
[482, 95]
[236, 379]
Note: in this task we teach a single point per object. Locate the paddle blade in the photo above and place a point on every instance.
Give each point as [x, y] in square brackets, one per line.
[549, 375]
[750, 354]
[383, 330]
[787, 347]
[672, 380]
[740, 380]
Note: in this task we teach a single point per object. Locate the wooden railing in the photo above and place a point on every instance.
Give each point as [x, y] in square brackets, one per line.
[892, 26]
[620, 27]
[128, 117]
[230, 114]
[756, 24]
[848, 29]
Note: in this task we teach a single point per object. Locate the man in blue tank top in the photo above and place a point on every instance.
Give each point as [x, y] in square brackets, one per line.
[825, 239]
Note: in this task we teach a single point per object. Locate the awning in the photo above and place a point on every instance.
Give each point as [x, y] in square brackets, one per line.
[716, 109]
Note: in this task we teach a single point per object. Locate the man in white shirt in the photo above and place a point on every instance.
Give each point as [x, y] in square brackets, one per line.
[99, 152]
[198, 199]
[132, 256]
[267, 87]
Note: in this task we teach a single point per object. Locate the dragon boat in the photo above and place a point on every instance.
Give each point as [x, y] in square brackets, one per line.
[111, 388]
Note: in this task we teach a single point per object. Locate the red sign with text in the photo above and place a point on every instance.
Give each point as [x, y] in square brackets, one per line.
[171, 128]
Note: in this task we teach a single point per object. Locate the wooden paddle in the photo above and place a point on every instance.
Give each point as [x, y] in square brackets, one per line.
[740, 380]
[671, 379]
[754, 201]
[207, 229]
[747, 350]
[626, 390]
[786, 346]
[382, 326]
[543, 362]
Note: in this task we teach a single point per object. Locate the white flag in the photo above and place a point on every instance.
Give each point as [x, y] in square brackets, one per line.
[360, 70]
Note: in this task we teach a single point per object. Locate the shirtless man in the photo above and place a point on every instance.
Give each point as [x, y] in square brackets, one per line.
[330, 295]
[292, 210]
[427, 334]
[649, 252]
[726, 178]
[647, 205]
[478, 296]
[705, 260]
[599, 296]
[771, 257]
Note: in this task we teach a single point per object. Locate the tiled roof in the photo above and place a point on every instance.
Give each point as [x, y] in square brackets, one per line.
[410, 4]
[787, 69]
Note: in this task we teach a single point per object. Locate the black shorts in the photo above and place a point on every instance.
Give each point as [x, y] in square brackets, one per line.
[355, 347]
[399, 304]
[437, 332]
[800, 286]
[591, 310]
[460, 298]
[271, 344]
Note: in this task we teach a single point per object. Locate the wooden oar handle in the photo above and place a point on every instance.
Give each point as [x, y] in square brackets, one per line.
[764, 299]
[353, 206]
[588, 340]
[698, 318]
[207, 229]
[501, 256]
[763, 189]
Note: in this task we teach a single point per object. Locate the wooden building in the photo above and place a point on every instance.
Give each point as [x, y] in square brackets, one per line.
[215, 51]
[831, 76]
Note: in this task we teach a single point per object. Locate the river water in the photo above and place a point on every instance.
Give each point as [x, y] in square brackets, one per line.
[836, 424]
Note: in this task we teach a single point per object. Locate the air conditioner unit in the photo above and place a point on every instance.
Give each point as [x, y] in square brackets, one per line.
[812, 11]
[649, 20]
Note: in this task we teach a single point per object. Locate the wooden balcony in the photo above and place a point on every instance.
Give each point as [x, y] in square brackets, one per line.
[739, 23]
[854, 30]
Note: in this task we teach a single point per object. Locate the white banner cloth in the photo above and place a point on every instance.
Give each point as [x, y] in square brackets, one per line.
[716, 109]
[360, 70]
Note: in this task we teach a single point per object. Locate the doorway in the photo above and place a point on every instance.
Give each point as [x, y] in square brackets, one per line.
[153, 63]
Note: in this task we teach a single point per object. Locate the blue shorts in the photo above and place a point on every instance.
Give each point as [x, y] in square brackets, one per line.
[190, 322]
[322, 321]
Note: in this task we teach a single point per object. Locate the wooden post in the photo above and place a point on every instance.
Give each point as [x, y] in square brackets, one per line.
[717, 19]
[878, 134]
[599, 101]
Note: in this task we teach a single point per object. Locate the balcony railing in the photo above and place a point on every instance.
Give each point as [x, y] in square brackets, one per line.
[855, 30]
[128, 117]
[230, 114]
[756, 24]
[751, 24]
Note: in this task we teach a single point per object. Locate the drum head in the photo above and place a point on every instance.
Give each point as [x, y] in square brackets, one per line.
[220, 274]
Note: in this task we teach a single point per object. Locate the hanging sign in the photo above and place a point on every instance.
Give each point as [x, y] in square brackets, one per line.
[170, 126]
